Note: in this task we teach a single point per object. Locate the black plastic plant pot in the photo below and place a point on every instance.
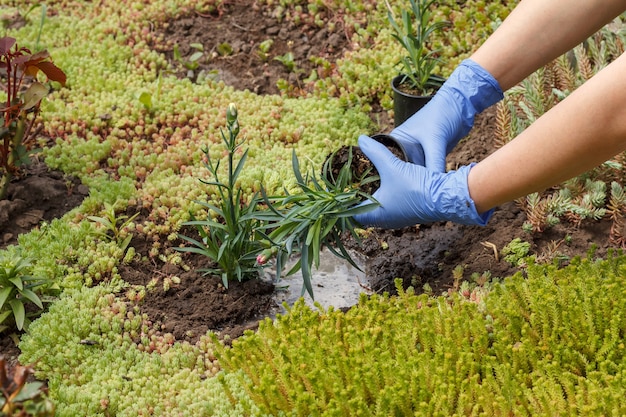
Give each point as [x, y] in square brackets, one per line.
[359, 162]
[405, 104]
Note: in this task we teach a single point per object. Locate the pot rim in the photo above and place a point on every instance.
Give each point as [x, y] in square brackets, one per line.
[383, 137]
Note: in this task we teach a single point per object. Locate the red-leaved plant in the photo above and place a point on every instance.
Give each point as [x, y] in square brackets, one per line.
[18, 75]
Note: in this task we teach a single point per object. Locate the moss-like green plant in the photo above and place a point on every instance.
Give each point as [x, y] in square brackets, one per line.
[515, 251]
[551, 343]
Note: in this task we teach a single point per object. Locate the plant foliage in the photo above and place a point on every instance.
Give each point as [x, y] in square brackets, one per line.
[229, 240]
[590, 196]
[413, 33]
[548, 344]
[18, 289]
[316, 217]
[23, 99]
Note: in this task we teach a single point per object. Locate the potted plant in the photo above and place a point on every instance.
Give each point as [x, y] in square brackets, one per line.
[321, 212]
[318, 215]
[416, 83]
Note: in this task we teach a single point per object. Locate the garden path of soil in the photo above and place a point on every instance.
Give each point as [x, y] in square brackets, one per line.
[419, 255]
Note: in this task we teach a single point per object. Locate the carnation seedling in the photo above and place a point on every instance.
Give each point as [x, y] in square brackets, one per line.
[115, 227]
[229, 239]
[317, 216]
[413, 33]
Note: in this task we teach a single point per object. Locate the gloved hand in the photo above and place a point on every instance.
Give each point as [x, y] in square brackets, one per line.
[431, 133]
[410, 194]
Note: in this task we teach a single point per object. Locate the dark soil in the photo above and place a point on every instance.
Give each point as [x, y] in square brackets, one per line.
[419, 255]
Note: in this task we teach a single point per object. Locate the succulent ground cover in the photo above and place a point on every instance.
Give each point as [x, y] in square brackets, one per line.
[148, 87]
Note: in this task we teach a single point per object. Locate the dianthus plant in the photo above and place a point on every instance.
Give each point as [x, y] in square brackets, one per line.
[229, 238]
[317, 216]
[23, 99]
[241, 236]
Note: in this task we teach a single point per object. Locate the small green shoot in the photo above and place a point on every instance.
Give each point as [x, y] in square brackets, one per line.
[115, 227]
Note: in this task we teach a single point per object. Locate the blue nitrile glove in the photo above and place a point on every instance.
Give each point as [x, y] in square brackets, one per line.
[410, 194]
[431, 133]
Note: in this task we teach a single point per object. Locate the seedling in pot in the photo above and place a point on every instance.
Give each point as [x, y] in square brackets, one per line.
[413, 32]
[359, 164]
[317, 216]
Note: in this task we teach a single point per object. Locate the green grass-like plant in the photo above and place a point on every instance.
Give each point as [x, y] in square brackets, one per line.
[413, 33]
[115, 226]
[317, 216]
[229, 240]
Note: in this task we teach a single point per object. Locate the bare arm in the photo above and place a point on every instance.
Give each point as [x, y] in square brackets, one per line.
[581, 132]
[538, 31]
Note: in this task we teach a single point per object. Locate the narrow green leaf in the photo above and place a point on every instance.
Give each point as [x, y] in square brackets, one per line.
[30, 295]
[17, 281]
[3, 316]
[240, 165]
[358, 210]
[210, 223]
[105, 222]
[19, 314]
[296, 167]
[306, 271]
[4, 295]
[221, 251]
[314, 232]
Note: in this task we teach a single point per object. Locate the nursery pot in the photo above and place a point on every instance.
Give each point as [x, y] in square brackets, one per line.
[360, 163]
[405, 104]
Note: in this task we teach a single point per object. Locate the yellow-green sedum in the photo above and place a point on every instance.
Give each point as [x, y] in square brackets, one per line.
[86, 346]
[551, 343]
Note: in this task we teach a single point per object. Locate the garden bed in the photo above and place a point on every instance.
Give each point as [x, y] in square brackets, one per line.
[434, 259]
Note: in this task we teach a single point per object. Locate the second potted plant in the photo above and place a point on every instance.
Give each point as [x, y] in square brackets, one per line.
[416, 83]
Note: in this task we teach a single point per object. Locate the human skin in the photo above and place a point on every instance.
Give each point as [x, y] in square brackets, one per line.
[581, 132]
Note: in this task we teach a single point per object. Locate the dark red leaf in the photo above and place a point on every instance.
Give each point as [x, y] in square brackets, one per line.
[53, 72]
[6, 44]
[28, 60]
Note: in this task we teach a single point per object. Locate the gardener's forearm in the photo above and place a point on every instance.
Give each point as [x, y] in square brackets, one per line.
[538, 31]
[581, 132]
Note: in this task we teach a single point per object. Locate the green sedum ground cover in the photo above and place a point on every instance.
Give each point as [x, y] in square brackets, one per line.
[548, 344]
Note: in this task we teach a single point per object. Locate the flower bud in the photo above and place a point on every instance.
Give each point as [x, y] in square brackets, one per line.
[231, 114]
[265, 256]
